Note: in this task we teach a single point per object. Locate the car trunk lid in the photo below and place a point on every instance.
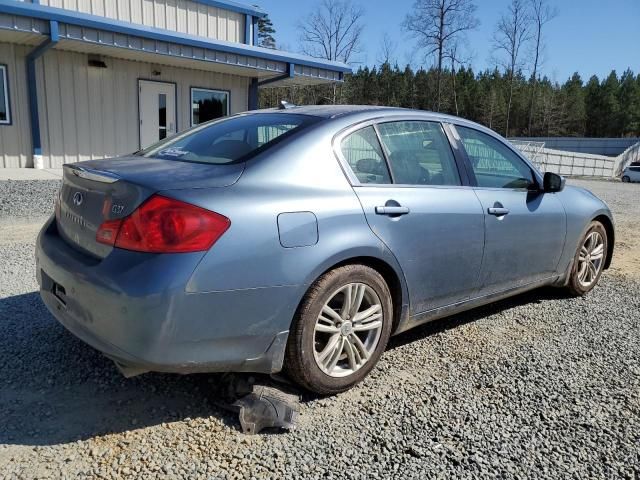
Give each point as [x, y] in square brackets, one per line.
[96, 191]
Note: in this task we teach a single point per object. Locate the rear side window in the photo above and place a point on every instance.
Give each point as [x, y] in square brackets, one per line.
[419, 153]
[362, 151]
[230, 140]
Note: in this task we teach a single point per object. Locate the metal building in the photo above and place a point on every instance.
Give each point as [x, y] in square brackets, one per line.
[87, 79]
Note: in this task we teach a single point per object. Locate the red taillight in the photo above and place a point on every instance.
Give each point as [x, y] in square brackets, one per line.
[108, 232]
[165, 225]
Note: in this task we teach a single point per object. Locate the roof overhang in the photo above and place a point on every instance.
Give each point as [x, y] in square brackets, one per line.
[27, 23]
[252, 10]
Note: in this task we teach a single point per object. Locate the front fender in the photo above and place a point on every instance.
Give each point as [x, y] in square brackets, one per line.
[582, 207]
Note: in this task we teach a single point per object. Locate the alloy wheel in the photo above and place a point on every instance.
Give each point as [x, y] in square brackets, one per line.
[347, 330]
[590, 259]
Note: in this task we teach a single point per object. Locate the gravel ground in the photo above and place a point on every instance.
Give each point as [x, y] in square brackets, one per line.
[536, 386]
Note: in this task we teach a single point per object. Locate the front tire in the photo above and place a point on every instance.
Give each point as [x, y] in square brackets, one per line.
[589, 260]
[340, 331]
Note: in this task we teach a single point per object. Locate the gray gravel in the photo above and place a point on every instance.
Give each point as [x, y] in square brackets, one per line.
[537, 386]
[27, 198]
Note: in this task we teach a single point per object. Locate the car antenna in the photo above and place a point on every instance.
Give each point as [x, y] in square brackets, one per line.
[284, 105]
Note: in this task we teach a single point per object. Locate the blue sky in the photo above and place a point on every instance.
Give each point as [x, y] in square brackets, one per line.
[588, 36]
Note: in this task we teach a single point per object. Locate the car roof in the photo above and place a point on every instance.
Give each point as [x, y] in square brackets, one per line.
[333, 111]
[344, 111]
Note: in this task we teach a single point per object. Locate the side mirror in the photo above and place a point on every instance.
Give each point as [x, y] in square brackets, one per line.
[553, 182]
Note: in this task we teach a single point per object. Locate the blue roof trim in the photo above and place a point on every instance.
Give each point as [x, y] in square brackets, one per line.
[25, 9]
[234, 7]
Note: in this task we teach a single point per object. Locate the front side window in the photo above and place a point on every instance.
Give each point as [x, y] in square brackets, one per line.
[494, 164]
[5, 116]
[364, 155]
[208, 105]
[419, 153]
[230, 140]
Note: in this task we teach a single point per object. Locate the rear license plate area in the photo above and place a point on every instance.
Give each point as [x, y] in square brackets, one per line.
[60, 293]
[50, 285]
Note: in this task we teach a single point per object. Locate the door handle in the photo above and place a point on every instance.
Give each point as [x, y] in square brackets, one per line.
[498, 211]
[392, 211]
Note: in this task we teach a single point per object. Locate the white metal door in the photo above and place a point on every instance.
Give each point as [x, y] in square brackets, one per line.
[157, 106]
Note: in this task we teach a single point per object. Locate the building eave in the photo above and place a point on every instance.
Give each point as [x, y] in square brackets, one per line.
[235, 7]
[78, 19]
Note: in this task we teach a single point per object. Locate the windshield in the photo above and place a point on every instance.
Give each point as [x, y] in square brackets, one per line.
[230, 140]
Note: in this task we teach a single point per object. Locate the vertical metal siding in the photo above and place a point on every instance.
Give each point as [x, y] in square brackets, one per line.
[15, 139]
[90, 113]
[183, 16]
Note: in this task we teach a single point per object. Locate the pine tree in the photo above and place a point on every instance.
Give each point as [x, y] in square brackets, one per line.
[610, 106]
[629, 104]
[576, 114]
[593, 107]
[266, 32]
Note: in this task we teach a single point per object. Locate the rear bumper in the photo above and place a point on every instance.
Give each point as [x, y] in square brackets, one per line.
[133, 307]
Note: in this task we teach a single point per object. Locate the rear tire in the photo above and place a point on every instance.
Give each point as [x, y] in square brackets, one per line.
[340, 330]
[589, 260]
[626, 179]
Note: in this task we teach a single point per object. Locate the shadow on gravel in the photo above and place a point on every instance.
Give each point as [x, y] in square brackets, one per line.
[448, 323]
[54, 389]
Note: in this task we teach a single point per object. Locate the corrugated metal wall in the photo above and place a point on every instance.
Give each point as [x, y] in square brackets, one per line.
[15, 139]
[611, 147]
[90, 113]
[182, 16]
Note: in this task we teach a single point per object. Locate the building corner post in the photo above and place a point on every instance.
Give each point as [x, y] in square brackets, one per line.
[32, 90]
[248, 30]
[256, 39]
[253, 94]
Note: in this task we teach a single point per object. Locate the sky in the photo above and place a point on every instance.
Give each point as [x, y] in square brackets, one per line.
[588, 36]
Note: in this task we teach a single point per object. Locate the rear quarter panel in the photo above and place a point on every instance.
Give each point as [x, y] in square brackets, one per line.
[302, 175]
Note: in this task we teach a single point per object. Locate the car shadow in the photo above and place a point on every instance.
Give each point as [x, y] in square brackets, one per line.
[454, 321]
[56, 389]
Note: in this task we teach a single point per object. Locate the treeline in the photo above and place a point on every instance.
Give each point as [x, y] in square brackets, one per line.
[607, 107]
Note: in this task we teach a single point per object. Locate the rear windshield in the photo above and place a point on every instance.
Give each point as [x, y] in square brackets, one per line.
[230, 140]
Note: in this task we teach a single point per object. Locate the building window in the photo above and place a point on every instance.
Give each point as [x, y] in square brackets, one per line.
[208, 105]
[5, 114]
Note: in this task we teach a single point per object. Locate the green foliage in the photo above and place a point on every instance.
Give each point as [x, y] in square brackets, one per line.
[266, 32]
[607, 108]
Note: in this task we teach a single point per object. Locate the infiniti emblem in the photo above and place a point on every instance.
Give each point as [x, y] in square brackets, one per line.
[78, 198]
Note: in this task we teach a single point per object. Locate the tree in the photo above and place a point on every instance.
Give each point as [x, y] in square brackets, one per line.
[456, 59]
[437, 25]
[512, 32]
[333, 31]
[575, 108]
[610, 105]
[593, 107]
[387, 50]
[629, 101]
[541, 14]
[266, 33]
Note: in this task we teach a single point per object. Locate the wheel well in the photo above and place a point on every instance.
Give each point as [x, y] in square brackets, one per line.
[608, 226]
[390, 277]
